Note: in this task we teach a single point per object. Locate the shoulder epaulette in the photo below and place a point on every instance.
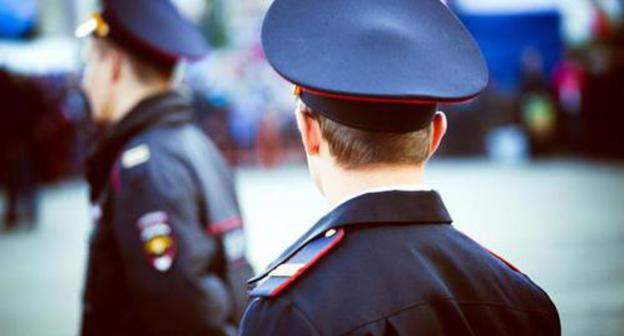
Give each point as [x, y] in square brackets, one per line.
[286, 273]
[135, 156]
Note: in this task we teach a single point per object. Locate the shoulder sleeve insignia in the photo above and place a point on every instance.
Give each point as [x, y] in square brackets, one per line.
[135, 156]
[158, 243]
[285, 274]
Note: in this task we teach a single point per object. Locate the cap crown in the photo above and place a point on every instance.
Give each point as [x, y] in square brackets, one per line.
[406, 49]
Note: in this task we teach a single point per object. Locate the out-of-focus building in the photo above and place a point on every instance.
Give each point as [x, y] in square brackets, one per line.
[554, 67]
[548, 61]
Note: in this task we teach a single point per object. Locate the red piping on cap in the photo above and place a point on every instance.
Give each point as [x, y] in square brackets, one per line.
[378, 100]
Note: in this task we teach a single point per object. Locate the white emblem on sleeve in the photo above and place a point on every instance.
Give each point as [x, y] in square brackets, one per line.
[135, 156]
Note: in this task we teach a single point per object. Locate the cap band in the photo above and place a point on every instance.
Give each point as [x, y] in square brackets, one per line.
[392, 100]
[381, 117]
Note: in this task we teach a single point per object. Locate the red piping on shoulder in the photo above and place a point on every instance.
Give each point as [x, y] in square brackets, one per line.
[503, 260]
[225, 225]
[115, 177]
[337, 239]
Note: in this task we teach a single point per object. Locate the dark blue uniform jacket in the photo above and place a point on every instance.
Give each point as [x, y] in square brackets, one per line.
[391, 263]
[167, 250]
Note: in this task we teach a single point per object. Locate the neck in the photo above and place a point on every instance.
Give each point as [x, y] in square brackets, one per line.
[339, 184]
[132, 96]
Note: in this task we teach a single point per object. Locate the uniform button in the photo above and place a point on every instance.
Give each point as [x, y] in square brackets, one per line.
[330, 233]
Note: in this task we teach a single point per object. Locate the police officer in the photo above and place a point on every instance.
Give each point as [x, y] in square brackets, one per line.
[167, 251]
[386, 260]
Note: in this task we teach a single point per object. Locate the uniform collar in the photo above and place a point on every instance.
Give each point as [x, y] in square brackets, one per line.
[398, 187]
[162, 108]
[391, 206]
[374, 208]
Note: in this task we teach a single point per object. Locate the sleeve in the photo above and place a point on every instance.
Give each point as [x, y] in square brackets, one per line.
[277, 316]
[165, 252]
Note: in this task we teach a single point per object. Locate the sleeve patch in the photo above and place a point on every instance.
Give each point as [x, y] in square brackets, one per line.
[158, 243]
[285, 274]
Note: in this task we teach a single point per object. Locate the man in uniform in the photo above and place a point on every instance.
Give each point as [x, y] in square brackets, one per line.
[167, 252]
[386, 260]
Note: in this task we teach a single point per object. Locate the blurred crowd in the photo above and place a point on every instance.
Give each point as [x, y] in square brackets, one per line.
[40, 137]
[554, 90]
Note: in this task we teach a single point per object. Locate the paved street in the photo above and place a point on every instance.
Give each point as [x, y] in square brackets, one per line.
[561, 222]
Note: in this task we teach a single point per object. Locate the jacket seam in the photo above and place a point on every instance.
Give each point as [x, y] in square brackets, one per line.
[530, 311]
[304, 317]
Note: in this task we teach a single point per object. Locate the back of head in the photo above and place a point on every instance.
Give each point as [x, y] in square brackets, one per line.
[143, 69]
[354, 148]
[372, 73]
[152, 34]
[137, 45]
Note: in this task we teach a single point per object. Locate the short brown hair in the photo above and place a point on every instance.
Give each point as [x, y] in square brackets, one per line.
[354, 148]
[145, 70]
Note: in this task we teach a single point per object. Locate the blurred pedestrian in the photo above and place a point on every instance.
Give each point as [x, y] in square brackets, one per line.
[386, 260]
[23, 105]
[268, 139]
[569, 78]
[167, 251]
[536, 106]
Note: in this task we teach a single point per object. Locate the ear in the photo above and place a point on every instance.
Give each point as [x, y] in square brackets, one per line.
[117, 60]
[439, 129]
[310, 132]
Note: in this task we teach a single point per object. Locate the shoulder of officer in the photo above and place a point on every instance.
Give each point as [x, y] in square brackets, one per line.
[277, 317]
[150, 160]
[280, 291]
[145, 149]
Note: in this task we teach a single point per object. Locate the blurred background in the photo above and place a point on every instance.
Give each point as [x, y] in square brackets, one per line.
[534, 169]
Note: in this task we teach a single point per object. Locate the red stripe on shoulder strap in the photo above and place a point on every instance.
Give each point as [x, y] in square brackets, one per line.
[337, 239]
